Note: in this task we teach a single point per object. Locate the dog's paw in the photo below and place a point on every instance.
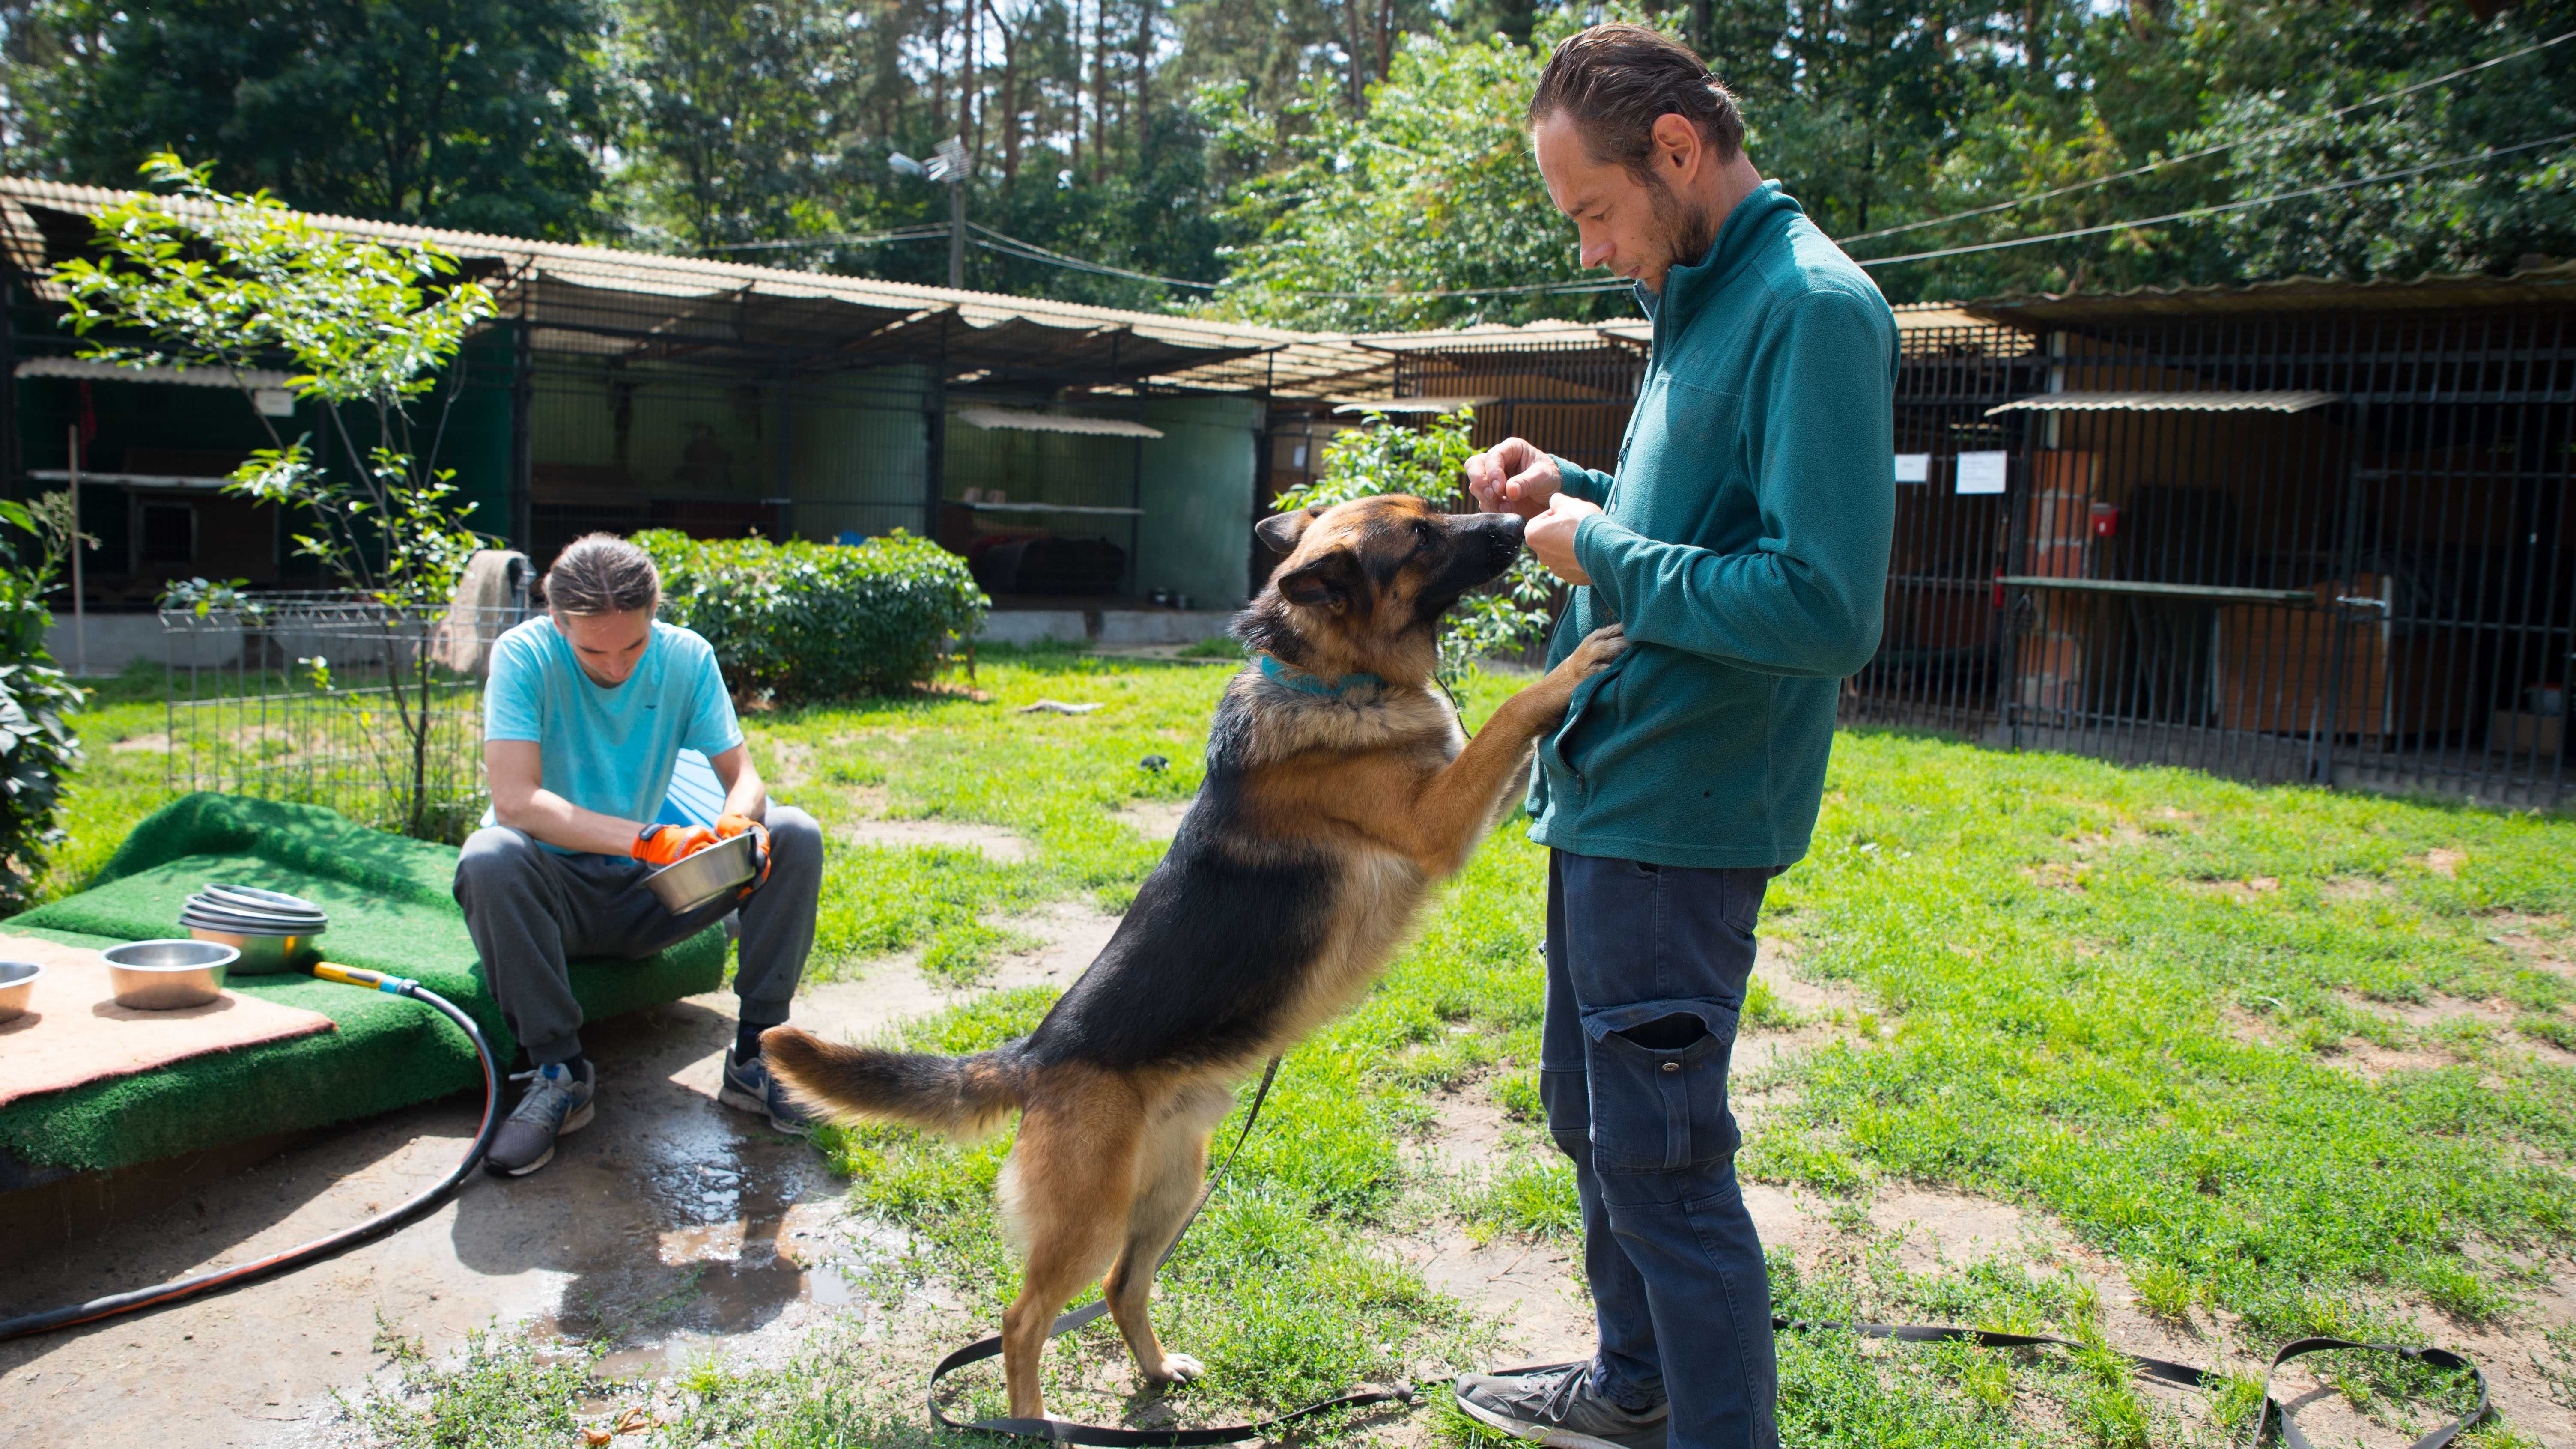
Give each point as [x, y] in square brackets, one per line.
[1178, 1368]
[1594, 654]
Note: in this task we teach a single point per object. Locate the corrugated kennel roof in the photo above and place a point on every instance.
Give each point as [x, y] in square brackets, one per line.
[2278, 401]
[606, 301]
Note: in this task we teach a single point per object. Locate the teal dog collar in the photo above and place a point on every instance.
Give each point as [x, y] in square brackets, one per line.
[1304, 683]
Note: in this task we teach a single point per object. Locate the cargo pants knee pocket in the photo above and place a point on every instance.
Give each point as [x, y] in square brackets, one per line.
[1652, 1094]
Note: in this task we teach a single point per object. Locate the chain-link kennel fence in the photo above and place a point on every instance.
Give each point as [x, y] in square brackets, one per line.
[372, 708]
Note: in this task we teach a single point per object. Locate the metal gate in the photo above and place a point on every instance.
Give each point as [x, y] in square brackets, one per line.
[2331, 548]
[1944, 658]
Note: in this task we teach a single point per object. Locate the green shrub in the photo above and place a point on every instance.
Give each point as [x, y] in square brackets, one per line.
[809, 621]
[38, 751]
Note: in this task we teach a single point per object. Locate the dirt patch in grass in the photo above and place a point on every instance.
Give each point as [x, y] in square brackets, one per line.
[1156, 819]
[2094, 843]
[995, 843]
[787, 763]
[2353, 889]
[2443, 861]
[1531, 1291]
[1821, 1011]
[2529, 1356]
[1935, 1229]
[2249, 889]
[2057, 875]
[2539, 943]
[1070, 936]
[1528, 1287]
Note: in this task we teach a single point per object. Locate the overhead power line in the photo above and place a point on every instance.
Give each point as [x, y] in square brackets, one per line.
[854, 239]
[2222, 207]
[1032, 252]
[2159, 165]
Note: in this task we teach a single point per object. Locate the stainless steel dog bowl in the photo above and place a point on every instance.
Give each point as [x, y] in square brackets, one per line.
[256, 901]
[218, 914]
[167, 975]
[260, 953]
[17, 983]
[695, 881]
[271, 930]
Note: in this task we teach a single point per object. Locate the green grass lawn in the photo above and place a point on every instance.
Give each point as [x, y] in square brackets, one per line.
[2292, 1061]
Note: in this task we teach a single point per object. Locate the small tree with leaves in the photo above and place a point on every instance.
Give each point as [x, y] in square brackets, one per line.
[38, 750]
[1430, 462]
[197, 277]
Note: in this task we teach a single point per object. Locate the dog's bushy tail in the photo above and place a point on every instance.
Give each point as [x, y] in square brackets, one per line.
[961, 1097]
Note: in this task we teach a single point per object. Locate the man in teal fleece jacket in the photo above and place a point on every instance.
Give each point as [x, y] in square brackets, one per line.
[1742, 542]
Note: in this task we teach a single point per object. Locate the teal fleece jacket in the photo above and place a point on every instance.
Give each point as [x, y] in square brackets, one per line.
[1743, 542]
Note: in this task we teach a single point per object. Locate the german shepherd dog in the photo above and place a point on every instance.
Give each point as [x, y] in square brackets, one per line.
[1340, 789]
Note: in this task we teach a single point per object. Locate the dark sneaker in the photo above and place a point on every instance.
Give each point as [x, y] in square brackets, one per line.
[557, 1102]
[748, 1087]
[1555, 1404]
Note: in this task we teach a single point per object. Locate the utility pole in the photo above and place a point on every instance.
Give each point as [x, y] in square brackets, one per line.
[947, 166]
[956, 237]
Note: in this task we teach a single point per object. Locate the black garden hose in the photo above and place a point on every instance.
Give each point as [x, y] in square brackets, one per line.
[375, 1227]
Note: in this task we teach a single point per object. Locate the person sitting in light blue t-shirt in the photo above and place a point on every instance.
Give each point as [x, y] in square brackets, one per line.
[584, 717]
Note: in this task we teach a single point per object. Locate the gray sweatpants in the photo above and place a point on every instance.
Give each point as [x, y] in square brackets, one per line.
[529, 908]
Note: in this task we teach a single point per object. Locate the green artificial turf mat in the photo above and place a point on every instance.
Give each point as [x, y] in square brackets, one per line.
[390, 911]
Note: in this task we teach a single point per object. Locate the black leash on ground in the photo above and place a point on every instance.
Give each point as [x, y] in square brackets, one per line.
[2164, 1370]
[1116, 1438]
[2167, 1371]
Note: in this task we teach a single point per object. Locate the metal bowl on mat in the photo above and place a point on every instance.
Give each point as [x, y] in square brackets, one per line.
[702, 879]
[256, 901]
[260, 954]
[273, 931]
[167, 975]
[218, 914]
[17, 983]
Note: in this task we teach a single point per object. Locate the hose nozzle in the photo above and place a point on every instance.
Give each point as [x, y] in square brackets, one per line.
[360, 976]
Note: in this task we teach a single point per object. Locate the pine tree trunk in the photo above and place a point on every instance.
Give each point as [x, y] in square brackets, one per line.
[1359, 63]
[1144, 74]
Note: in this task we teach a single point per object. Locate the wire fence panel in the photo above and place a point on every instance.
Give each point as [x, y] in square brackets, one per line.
[1944, 659]
[336, 699]
[2327, 547]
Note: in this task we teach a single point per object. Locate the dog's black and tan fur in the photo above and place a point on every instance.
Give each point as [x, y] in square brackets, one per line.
[1324, 822]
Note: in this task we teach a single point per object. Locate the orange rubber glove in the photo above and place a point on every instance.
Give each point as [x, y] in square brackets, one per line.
[660, 844]
[733, 823]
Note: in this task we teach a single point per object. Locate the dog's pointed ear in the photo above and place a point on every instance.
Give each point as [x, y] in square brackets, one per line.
[1282, 530]
[1328, 581]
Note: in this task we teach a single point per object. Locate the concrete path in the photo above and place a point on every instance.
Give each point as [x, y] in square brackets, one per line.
[668, 1228]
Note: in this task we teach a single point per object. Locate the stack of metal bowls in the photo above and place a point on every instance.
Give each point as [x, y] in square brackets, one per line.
[273, 931]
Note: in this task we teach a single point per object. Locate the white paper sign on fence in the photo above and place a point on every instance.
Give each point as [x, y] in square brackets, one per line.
[1981, 472]
[1913, 467]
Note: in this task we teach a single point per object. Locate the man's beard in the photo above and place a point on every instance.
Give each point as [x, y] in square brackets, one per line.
[1681, 229]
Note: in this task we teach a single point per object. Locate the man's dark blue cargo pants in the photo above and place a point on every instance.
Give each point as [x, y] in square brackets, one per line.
[1647, 968]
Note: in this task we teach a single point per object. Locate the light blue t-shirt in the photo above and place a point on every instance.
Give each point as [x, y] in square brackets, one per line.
[608, 750]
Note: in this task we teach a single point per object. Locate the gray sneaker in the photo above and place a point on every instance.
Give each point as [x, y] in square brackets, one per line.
[748, 1087]
[557, 1102]
[1555, 1404]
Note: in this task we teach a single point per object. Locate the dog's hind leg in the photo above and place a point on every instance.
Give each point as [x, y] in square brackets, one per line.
[1067, 1193]
[1171, 1170]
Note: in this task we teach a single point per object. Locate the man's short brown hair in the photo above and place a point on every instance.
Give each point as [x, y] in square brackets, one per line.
[600, 573]
[1614, 81]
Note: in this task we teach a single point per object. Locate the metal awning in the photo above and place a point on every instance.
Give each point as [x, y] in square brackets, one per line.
[2282, 401]
[90, 369]
[1024, 421]
[1406, 404]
